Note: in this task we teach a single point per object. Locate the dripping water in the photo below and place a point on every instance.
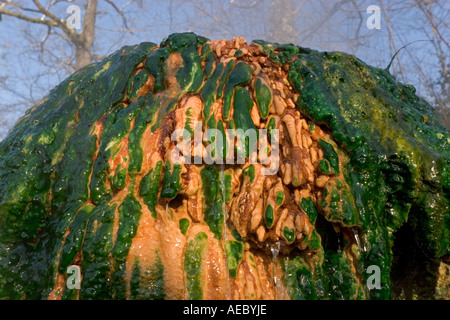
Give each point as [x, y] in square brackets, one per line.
[275, 250]
[363, 246]
[338, 234]
[366, 246]
[358, 240]
[339, 245]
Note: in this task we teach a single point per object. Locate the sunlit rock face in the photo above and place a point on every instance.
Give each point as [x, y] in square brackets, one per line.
[221, 169]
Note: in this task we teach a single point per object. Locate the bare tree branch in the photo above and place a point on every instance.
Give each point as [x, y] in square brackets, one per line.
[433, 23]
[71, 33]
[392, 41]
[50, 23]
[120, 12]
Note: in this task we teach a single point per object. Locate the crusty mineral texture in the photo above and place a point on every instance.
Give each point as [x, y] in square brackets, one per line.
[107, 193]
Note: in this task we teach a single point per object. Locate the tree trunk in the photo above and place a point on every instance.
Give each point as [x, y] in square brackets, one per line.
[84, 48]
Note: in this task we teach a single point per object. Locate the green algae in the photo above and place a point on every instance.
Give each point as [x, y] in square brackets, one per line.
[249, 172]
[268, 217]
[209, 89]
[70, 110]
[193, 262]
[280, 198]
[149, 107]
[393, 157]
[331, 157]
[240, 75]
[130, 212]
[118, 180]
[234, 251]
[184, 225]
[213, 199]
[136, 84]
[263, 96]
[236, 235]
[148, 284]
[171, 181]
[96, 263]
[243, 122]
[74, 240]
[149, 187]
[308, 206]
[289, 234]
[395, 171]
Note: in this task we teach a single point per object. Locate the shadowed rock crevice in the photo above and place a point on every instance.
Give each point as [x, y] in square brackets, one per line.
[413, 274]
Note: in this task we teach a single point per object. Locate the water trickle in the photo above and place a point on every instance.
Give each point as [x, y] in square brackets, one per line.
[358, 240]
[275, 249]
[366, 246]
[339, 245]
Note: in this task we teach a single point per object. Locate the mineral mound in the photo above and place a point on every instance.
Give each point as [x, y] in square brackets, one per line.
[94, 204]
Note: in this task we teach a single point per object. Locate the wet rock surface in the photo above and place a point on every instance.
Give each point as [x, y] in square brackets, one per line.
[93, 177]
